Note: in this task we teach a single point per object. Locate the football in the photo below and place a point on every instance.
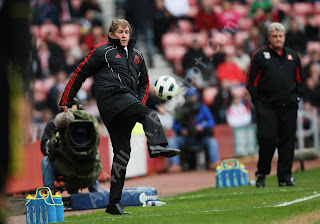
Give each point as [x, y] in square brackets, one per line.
[166, 87]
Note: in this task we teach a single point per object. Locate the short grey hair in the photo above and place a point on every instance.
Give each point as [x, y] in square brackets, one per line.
[276, 26]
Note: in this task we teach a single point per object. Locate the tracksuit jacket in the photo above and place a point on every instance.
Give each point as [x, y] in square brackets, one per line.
[119, 81]
[275, 79]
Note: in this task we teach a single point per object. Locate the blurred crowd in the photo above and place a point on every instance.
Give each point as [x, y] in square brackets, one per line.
[209, 43]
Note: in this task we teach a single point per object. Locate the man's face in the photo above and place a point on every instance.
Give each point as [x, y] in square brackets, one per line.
[122, 33]
[276, 39]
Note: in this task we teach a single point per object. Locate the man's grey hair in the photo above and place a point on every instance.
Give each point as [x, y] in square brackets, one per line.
[276, 26]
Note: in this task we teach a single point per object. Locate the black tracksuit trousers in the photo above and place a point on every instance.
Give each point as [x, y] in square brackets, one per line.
[120, 134]
[276, 129]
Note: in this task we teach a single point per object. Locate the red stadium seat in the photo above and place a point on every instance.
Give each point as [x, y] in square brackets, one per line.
[185, 26]
[71, 29]
[245, 23]
[303, 8]
[188, 38]
[316, 8]
[174, 53]
[48, 28]
[171, 39]
[285, 7]
[208, 94]
[242, 10]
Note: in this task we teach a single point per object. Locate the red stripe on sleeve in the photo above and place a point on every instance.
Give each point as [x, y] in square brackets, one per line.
[75, 74]
[298, 77]
[146, 93]
[257, 79]
[251, 63]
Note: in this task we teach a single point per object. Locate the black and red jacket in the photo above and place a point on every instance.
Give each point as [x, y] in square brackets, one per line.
[275, 79]
[113, 73]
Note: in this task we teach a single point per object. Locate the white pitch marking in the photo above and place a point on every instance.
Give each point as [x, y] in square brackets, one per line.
[297, 200]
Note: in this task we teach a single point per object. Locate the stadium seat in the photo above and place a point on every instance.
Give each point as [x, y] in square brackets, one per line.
[245, 23]
[188, 38]
[239, 37]
[285, 7]
[316, 8]
[303, 8]
[242, 10]
[185, 26]
[171, 39]
[48, 28]
[174, 53]
[71, 29]
[208, 94]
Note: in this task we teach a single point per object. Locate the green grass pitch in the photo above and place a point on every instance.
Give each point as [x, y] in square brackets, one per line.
[245, 204]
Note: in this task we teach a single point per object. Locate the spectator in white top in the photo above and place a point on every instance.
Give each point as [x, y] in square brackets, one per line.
[237, 113]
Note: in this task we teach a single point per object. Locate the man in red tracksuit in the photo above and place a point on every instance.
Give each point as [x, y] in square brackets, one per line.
[121, 85]
[274, 81]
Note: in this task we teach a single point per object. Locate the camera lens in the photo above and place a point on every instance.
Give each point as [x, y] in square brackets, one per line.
[81, 134]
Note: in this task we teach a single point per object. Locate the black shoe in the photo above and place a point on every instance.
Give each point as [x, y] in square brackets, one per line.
[116, 209]
[288, 183]
[157, 150]
[260, 183]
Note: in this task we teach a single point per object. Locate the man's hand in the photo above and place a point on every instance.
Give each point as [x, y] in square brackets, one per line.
[198, 128]
[65, 109]
[184, 132]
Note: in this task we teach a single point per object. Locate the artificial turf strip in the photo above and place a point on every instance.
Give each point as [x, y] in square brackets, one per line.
[245, 204]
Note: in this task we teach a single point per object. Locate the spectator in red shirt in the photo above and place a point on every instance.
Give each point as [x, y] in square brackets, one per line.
[228, 70]
[96, 36]
[206, 19]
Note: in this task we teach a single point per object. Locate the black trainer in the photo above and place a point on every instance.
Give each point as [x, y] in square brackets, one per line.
[260, 183]
[157, 150]
[116, 209]
[283, 183]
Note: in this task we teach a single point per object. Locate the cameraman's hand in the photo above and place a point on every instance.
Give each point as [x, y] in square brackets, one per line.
[198, 128]
[65, 109]
[184, 132]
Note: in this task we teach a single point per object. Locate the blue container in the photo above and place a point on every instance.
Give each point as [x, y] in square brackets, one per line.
[30, 219]
[230, 173]
[59, 207]
[37, 209]
[45, 206]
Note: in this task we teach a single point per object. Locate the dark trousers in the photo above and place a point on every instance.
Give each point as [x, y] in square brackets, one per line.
[120, 134]
[276, 129]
